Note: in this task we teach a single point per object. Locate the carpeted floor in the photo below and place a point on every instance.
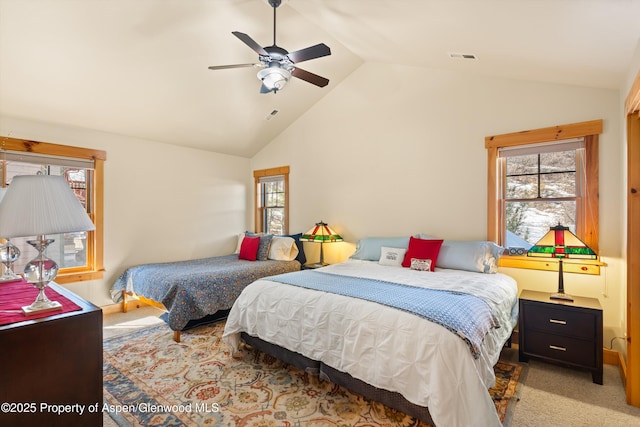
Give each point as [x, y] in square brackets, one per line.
[151, 380]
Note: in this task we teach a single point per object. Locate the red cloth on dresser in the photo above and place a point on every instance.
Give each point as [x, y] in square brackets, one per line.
[15, 295]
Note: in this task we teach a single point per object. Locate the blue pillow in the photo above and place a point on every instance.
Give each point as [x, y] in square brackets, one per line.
[469, 255]
[369, 248]
[265, 242]
[301, 258]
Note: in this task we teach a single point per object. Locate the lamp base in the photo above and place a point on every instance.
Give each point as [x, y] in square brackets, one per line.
[561, 296]
[40, 307]
[12, 277]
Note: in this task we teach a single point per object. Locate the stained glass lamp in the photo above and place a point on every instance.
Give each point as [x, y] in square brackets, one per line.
[561, 243]
[322, 234]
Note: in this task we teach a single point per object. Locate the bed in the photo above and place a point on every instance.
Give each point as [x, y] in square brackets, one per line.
[391, 354]
[193, 290]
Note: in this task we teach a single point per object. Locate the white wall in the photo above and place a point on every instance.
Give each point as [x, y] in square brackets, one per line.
[396, 150]
[162, 202]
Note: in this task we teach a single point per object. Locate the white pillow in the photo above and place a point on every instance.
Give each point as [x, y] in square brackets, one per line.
[240, 238]
[283, 249]
[421, 264]
[392, 256]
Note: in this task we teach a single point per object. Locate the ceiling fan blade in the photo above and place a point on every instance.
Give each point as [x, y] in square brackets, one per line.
[251, 43]
[310, 77]
[224, 67]
[308, 53]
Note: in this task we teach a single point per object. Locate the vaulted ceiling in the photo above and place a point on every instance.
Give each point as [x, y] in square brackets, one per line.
[139, 67]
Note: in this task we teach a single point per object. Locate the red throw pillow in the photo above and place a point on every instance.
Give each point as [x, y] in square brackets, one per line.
[249, 248]
[422, 249]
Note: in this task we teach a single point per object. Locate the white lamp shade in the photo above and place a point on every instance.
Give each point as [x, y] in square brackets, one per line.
[41, 204]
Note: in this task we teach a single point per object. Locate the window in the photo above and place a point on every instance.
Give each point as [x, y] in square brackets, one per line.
[79, 255]
[272, 200]
[541, 187]
[537, 180]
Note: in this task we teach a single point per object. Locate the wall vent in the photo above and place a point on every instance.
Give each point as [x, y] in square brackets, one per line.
[454, 55]
[271, 115]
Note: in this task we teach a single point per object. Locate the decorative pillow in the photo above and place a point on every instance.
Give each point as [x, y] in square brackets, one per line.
[265, 241]
[478, 256]
[240, 237]
[370, 248]
[420, 264]
[283, 249]
[422, 249]
[301, 257]
[392, 256]
[249, 248]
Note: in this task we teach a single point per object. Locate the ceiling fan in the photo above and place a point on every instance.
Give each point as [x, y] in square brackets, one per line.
[278, 65]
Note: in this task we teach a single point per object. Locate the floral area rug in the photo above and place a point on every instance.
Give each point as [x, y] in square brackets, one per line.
[150, 380]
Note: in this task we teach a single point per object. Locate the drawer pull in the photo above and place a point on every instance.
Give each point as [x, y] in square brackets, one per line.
[559, 322]
[555, 347]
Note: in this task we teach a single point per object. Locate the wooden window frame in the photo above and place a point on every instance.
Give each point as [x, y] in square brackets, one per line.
[586, 225]
[95, 239]
[259, 209]
[632, 110]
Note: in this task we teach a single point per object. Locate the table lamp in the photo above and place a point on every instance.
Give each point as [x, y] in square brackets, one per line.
[321, 233]
[9, 253]
[37, 205]
[560, 242]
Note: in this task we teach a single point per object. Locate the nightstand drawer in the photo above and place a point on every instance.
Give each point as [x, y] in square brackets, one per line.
[562, 348]
[542, 317]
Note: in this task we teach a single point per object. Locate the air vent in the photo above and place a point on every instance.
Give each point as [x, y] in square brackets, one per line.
[271, 115]
[462, 56]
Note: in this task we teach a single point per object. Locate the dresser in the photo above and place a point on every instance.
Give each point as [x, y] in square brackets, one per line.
[55, 361]
[569, 333]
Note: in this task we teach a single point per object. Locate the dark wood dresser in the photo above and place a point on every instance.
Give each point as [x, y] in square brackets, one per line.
[569, 333]
[55, 360]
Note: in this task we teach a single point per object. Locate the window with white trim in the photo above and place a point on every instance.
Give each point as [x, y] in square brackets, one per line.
[541, 187]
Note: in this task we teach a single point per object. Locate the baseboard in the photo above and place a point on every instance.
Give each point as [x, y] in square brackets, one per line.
[111, 308]
[132, 302]
[612, 357]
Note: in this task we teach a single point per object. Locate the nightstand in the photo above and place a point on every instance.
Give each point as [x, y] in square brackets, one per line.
[569, 333]
[56, 360]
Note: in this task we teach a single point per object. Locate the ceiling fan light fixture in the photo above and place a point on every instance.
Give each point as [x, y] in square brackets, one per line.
[274, 78]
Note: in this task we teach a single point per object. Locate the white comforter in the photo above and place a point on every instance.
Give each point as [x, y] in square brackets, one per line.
[382, 346]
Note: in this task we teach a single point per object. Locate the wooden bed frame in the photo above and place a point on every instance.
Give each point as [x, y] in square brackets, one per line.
[147, 301]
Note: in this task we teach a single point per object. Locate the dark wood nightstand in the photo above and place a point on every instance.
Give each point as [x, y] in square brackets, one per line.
[569, 333]
[54, 360]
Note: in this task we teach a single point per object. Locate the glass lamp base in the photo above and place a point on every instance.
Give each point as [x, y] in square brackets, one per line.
[9, 253]
[41, 306]
[9, 276]
[39, 272]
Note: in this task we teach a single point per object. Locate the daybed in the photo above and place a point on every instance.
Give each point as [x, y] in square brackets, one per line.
[354, 324]
[192, 290]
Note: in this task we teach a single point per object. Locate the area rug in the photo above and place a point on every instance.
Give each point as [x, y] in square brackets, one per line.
[150, 380]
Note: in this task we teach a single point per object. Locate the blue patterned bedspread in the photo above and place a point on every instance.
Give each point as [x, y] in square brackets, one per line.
[465, 315]
[193, 289]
